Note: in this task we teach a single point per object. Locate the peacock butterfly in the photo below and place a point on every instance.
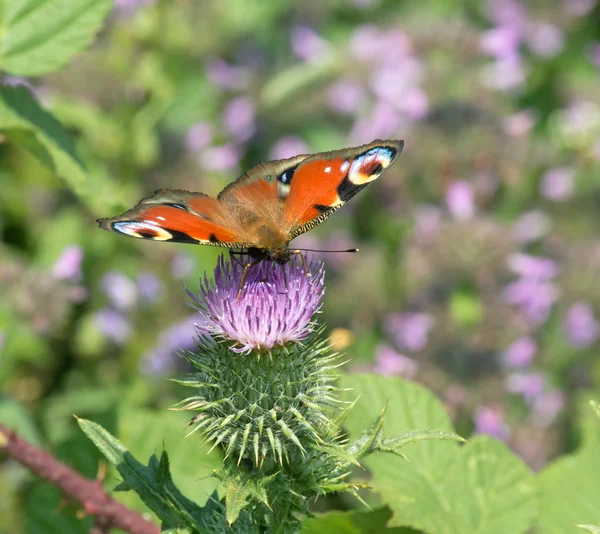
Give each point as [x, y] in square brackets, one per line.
[264, 209]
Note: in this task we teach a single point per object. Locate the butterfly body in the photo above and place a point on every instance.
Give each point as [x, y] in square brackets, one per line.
[264, 209]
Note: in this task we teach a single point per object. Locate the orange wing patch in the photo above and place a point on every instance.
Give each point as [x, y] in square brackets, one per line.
[314, 190]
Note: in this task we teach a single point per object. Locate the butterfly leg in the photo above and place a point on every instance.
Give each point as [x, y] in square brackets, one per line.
[304, 265]
[243, 279]
[233, 255]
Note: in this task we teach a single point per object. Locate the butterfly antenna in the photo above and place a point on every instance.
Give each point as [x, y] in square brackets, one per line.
[314, 250]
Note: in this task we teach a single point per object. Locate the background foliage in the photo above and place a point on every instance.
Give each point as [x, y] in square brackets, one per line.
[479, 261]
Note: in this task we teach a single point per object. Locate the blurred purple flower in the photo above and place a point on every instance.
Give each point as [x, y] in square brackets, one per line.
[68, 264]
[226, 76]
[410, 331]
[390, 362]
[507, 12]
[345, 96]
[394, 83]
[579, 8]
[364, 4]
[239, 119]
[220, 158]
[383, 122]
[581, 118]
[501, 42]
[428, 220]
[307, 44]
[547, 406]
[532, 267]
[529, 385]
[149, 286]
[460, 200]
[545, 39]
[276, 305]
[113, 325]
[505, 74]
[414, 104]
[531, 226]
[120, 290]
[178, 337]
[370, 44]
[519, 124]
[521, 353]
[490, 420]
[288, 147]
[199, 136]
[183, 265]
[534, 298]
[557, 184]
[581, 327]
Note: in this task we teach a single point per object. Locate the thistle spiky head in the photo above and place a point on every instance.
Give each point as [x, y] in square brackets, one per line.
[263, 376]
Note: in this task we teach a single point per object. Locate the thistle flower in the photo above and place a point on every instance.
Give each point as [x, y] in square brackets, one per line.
[276, 305]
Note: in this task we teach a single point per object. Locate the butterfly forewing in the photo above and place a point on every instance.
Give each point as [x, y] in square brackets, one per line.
[325, 182]
[178, 216]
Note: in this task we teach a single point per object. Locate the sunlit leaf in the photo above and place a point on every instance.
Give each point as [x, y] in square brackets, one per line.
[40, 36]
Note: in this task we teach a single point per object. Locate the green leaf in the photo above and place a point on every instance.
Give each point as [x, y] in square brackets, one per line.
[353, 523]
[153, 483]
[570, 492]
[146, 431]
[40, 36]
[27, 124]
[17, 418]
[444, 488]
[590, 528]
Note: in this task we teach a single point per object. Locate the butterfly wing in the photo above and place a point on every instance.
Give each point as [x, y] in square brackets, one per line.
[323, 183]
[180, 217]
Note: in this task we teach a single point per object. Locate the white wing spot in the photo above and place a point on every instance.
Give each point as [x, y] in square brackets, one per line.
[345, 166]
[327, 169]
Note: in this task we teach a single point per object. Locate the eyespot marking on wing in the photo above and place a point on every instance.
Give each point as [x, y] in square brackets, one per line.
[142, 229]
[284, 182]
[368, 166]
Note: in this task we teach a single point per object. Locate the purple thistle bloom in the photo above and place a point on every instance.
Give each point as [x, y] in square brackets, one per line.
[113, 325]
[490, 420]
[579, 8]
[276, 304]
[580, 326]
[120, 290]
[505, 74]
[180, 336]
[410, 330]
[520, 353]
[68, 265]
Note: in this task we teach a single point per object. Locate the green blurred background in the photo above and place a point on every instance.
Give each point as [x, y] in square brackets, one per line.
[479, 257]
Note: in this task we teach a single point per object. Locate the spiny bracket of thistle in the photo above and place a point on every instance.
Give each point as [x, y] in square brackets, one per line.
[265, 406]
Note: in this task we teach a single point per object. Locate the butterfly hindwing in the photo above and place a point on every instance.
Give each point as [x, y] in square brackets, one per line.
[177, 216]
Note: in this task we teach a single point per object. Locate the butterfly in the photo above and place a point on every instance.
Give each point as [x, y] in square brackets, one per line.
[265, 208]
